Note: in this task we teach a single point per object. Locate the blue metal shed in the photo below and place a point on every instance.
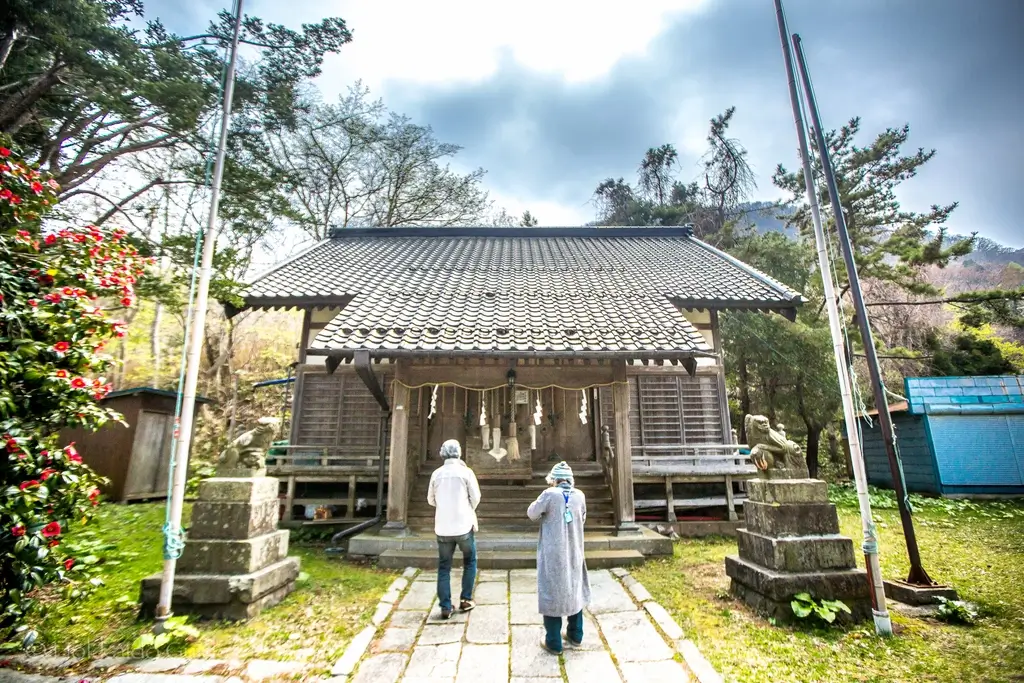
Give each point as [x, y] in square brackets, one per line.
[957, 436]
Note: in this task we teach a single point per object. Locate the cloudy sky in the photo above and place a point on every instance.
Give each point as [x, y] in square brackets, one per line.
[551, 97]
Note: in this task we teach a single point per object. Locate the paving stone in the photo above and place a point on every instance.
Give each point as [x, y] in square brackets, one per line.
[8, 676]
[432, 679]
[386, 668]
[162, 678]
[668, 671]
[262, 669]
[159, 665]
[391, 597]
[487, 575]
[664, 620]
[533, 679]
[524, 609]
[633, 638]
[591, 637]
[439, 634]
[608, 595]
[523, 583]
[488, 624]
[619, 572]
[399, 584]
[491, 594]
[201, 666]
[395, 639]
[48, 661]
[407, 619]
[419, 597]
[433, 662]
[354, 652]
[590, 667]
[528, 657]
[114, 662]
[696, 662]
[483, 663]
[380, 615]
[410, 573]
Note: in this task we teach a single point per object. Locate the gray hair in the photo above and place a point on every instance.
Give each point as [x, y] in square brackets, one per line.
[451, 449]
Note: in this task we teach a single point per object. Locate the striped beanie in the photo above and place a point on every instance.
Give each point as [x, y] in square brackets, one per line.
[451, 449]
[560, 472]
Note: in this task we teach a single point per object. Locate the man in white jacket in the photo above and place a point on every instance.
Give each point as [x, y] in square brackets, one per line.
[454, 494]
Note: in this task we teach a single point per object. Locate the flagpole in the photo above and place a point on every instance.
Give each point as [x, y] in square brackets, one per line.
[183, 429]
[883, 624]
[917, 574]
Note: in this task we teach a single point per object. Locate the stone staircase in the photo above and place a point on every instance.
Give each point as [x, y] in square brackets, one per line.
[506, 538]
[503, 504]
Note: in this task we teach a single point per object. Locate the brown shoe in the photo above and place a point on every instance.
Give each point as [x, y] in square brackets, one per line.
[466, 605]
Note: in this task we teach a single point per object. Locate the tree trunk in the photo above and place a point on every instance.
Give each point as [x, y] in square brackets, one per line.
[17, 105]
[813, 444]
[7, 44]
[155, 349]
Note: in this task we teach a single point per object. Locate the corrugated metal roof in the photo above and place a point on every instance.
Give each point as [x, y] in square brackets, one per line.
[532, 289]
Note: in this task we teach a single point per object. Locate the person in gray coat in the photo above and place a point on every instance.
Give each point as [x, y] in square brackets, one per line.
[563, 587]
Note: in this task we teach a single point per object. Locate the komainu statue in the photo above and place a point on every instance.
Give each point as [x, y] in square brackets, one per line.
[245, 456]
[770, 450]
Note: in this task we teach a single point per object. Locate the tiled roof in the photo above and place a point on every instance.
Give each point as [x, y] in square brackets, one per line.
[558, 290]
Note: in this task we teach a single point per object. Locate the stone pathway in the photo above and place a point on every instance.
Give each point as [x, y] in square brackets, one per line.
[628, 638]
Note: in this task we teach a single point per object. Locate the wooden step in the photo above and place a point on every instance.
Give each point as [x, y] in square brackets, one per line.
[505, 559]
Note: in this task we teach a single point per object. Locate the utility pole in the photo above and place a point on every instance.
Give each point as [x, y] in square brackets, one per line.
[917, 574]
[883, 624]
[183, 430]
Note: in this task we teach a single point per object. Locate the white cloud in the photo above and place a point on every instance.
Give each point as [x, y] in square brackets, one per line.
[459, 41]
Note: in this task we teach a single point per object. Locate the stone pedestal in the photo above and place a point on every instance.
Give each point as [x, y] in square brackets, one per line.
[791, 544]
[235, 562]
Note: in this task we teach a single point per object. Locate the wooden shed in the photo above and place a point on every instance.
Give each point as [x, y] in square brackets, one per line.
[134, 458]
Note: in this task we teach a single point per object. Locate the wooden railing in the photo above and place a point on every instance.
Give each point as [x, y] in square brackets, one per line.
[606, 456]
[320, 459]
[698, 459]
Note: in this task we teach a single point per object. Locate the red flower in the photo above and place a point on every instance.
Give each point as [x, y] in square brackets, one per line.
[54, 543]
[127, 301]
[53, 298]
[61, 346]
[6, 194]
[78, 383]
[72, 452]
[33, 303]
[4, 152]
[50, 239]
[51, 530]
[69, 563]
[47, 473]
[28, 484]
[18, 530]
[79, 237]
[37, 187]
[62, 374]
[12, 444]
[94, 496]
[68, 291]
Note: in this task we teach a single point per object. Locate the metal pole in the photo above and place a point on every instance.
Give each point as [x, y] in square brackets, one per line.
[195, 340]
[917, 573]
[883, 624]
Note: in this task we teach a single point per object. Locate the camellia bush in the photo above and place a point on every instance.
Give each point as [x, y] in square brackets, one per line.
[59, 290]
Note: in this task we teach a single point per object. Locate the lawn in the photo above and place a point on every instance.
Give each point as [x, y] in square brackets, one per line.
[334, 601]
[978, 548]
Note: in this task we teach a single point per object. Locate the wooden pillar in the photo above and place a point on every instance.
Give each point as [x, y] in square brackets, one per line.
[398, 467]
[289, 500]
[625, 513]
[729, 502]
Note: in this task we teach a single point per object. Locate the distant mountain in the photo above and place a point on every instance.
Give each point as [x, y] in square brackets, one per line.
[767, 217]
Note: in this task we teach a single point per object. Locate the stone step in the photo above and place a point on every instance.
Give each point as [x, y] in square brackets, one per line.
[505, 559]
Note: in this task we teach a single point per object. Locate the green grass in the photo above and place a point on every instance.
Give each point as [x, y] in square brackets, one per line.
[314, 623]
[977, 548]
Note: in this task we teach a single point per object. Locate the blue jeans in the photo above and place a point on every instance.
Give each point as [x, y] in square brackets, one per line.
[445, 553]
[553, 628]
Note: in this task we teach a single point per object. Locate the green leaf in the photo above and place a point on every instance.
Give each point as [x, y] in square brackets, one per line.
[145, 640]
[803, 597]
[801, 610]
[161, 640]
[89, 559]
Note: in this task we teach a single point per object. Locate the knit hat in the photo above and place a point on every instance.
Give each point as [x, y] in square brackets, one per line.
[451, 449]
[560, 472]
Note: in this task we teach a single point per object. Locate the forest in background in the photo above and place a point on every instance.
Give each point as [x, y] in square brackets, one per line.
[123, 117]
